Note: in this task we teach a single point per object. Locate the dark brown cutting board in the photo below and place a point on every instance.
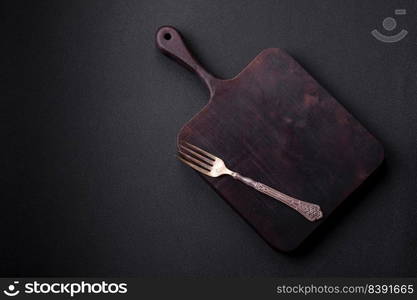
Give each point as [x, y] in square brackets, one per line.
[274, 123]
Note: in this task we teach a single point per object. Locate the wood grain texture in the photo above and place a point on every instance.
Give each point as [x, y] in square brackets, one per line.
[274, 123]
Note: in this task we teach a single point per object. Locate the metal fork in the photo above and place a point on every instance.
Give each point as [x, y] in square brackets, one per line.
[213, 166]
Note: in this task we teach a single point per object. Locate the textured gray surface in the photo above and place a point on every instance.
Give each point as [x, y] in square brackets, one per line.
[90, 111]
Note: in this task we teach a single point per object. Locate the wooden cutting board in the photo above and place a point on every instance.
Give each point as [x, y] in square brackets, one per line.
[274, 123]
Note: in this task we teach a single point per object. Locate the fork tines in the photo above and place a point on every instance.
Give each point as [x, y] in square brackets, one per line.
[196, 158]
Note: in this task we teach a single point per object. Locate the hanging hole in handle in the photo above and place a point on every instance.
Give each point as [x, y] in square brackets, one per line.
[167, 36]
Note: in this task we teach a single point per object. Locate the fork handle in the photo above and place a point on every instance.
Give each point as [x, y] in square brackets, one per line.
[310, 211]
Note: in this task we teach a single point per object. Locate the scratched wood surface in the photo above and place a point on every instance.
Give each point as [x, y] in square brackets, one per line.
[274, 123]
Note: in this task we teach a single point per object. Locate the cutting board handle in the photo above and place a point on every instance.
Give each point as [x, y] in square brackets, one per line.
[170, 42]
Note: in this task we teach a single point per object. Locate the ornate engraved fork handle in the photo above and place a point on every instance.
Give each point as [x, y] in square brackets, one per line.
[310, 211]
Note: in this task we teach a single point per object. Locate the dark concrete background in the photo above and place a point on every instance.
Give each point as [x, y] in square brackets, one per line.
[90, 185]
